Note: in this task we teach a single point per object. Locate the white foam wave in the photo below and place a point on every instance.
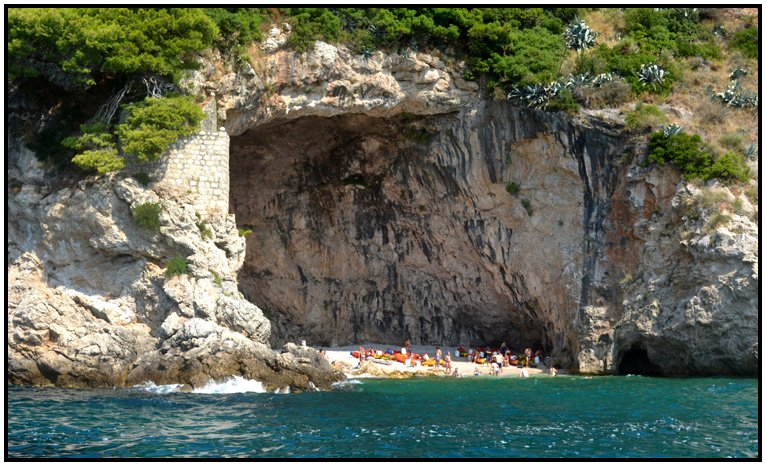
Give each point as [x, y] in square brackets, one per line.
[235, 384]
[161, 389]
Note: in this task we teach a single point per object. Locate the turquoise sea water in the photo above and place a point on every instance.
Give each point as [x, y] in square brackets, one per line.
[539, 417]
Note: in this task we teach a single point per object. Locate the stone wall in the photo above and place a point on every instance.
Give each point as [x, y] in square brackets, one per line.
[196, 164]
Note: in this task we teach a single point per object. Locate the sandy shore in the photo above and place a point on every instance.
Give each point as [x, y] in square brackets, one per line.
[343, 353]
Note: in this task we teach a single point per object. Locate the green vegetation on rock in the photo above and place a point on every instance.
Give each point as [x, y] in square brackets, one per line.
[94, 42]
[148, 216]
[152, 126]
[177, 266]
[557, 59]
[688, 154]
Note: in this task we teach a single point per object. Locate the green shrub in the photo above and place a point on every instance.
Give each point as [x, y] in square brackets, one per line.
[644, 118]
[729, 166]
[611, 94]
[355, 179]
[564, 101]
[626, 58]
[527, 206]
[243, 232]
[731, 141]
[719, 218]
[310, 24]
[177, 266]
[512, 188]
[746, 40]
[142, 178]
[204, 231]
[217, 278]
[90, 41]
[590, 63]
[535, 58]
[101, 160]
[687, 153]
[238, 27]
[152, 126]
[148, 216]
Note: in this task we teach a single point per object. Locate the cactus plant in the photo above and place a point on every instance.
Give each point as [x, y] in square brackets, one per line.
[672, 130]
[651, 74]
[579, 36]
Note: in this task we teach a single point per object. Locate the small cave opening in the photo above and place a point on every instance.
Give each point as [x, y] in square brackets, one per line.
[636, 361]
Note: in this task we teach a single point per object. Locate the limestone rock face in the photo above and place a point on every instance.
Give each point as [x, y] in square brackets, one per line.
[90, 305]
[330, 81]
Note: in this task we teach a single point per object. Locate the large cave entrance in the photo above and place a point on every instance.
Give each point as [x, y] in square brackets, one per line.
[636, 361]
[359, 235]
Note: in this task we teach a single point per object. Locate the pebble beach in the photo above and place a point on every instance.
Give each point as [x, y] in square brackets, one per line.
[343, 353]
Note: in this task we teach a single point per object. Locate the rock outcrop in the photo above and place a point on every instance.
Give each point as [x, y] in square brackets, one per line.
[388, 199]
[89, 303]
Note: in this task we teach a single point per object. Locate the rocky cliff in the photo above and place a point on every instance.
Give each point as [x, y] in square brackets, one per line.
[388, 199]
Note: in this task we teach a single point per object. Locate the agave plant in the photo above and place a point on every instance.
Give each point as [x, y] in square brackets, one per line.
[686, 13]
[602, 78]
[735, 96]
[581, 80]
[557, 86]
[651, 74]
[719, 30]
[349, 24]
[579, 36]
[366, 53]
[533, 95]
[672, 130]
[377, 33]
[751, 150]
[738, 73]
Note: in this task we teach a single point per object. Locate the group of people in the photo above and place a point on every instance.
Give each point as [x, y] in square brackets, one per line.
[496, 361]
[504, 356]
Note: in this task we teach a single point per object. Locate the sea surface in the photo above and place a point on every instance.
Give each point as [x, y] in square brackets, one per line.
[539, 417]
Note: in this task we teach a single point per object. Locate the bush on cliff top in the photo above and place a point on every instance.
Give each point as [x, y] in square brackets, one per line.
[100, 41]
[152, 126]
[149, 130]
[689, 155]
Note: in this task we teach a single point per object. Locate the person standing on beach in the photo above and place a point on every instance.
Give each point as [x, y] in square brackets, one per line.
[408, 345]
[438, 356]
[448, 363]
[528, 354]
